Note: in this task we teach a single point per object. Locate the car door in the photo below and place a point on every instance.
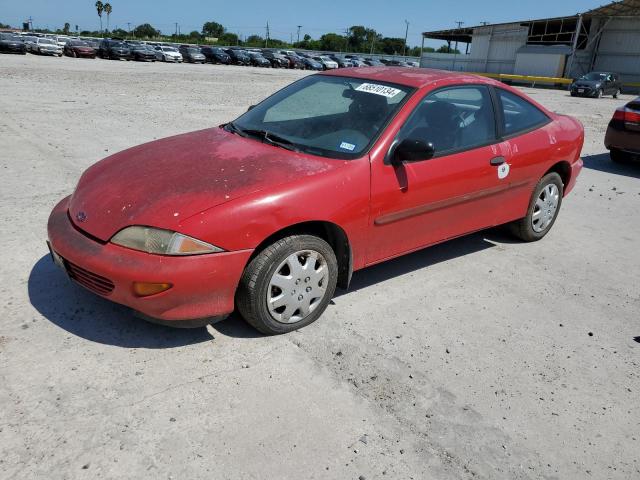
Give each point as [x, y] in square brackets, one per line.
[415, 204]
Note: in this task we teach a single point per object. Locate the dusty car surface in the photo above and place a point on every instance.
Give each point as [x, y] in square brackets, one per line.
[338, 171]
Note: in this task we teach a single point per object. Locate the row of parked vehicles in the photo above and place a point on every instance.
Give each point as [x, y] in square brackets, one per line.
[118, 49]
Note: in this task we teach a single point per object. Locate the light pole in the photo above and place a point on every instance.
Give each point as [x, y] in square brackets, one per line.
[406, 34]
[299, 27]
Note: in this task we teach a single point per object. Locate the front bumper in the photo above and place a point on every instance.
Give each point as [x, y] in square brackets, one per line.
[586, 91]
[203, 285]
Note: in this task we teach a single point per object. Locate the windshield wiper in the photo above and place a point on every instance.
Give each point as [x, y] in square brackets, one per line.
[233, 128]
[271, 138]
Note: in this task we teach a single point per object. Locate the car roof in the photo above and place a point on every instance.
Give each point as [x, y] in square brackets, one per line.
[413, 77]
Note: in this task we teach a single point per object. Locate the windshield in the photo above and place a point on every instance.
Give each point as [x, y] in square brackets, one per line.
[336, 117]
[77, 43]
[46, 41]
[594, 76]
[169, 49]
[192, 50]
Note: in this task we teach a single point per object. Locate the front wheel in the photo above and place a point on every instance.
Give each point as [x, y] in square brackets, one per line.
[600, 93]
[288, 285]
[616, 94]
[543, 209]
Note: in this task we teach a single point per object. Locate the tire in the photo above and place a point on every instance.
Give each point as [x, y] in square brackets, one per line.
[257, 284]
[529, 228]
[617, 93]
[619, 157]
[600, 93]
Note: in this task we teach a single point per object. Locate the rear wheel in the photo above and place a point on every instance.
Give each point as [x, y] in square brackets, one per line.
[288, 285]
[543, 209]
[619, 157]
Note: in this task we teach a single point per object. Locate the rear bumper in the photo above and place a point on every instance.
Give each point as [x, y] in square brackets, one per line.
[619, 138]
[576, 168]
[203, 285]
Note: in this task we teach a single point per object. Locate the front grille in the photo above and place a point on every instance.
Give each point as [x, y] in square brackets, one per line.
[95, 283]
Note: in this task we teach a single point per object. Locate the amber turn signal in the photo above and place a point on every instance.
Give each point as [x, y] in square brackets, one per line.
[144, 289]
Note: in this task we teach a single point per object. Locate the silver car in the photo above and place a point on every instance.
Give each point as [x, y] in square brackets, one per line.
[46, 46]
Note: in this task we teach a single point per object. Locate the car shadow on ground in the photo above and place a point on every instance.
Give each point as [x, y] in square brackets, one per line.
[636, 339]
[603, 163]
[427, 257]
[89, 316]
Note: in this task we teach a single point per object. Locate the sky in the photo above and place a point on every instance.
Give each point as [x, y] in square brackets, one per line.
[247, 17]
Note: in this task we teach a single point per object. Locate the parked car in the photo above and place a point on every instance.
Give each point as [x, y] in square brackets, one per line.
[270, 212]
[114, 50]
[10, 43]
[143, 52]
[277, 60]
[257, 60]
[238, 57]
[596, 84]
[326, 62]
[192, 54]
[29, 41]
[79, 48]
[342, 62]
[165, 53]
[295, 62]
[215, 55]
[311, 64]
[46, 46]
[623, 134]
[372, 62]
[413, 64]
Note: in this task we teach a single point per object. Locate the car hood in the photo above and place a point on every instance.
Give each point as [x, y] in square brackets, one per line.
[164, 182]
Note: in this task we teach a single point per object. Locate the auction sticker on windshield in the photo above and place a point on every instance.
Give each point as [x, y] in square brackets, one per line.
[377, 89]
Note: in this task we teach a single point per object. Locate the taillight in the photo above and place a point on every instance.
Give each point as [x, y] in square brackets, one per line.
[628, 116]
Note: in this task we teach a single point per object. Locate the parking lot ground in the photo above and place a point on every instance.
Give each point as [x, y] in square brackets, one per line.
[482, 357]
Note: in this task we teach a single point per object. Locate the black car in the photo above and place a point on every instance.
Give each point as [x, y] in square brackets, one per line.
[311, 64]
[114, 50]
[10, 43]
[257, 60]
[596, 84]
[277, 60]
[623, 135]
[142, 52]
[192, 54]
[216, 55]
[295, 61]
[238, 57]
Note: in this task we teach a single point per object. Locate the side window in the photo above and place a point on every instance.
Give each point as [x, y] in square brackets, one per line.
[453, 119]
[519, 115]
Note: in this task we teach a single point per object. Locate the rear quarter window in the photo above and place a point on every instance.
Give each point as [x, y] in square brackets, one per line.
[519, 115]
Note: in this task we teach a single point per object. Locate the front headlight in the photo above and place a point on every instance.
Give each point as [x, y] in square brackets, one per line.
[161, 242]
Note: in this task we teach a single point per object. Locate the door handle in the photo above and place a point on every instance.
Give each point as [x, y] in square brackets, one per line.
[495, 161]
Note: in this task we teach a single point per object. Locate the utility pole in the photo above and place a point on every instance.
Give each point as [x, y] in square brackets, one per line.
[266, 39]
[129, 28]
[176, 29]
[299, 27]
[406, 34]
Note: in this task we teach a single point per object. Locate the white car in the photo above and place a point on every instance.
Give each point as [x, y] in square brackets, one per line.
[46, 46]
[326, 62]
[168, 54]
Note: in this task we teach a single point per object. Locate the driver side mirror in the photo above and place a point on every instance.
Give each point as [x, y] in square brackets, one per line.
[410, 150]
[251, 107]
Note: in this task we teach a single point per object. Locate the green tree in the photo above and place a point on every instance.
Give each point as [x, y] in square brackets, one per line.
[146, 31]
[212, 29]
[194, 34]
[391, 46]
[254, 41]
[447, 49]
[108, 9]
[120, 33]
[228, 38]
[332, 42]
[100, 9]
[66, 28]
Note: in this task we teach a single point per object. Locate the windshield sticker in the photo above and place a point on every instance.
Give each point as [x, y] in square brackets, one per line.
[376, 89]
[347, 146]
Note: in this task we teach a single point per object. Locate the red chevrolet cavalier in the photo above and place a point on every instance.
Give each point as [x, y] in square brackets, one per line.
[338, 171]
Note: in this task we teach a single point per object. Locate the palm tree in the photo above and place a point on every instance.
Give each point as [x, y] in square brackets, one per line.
[107, 10]
[100, 8]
